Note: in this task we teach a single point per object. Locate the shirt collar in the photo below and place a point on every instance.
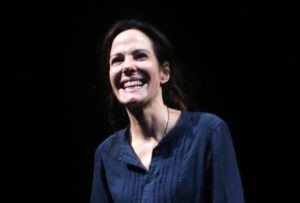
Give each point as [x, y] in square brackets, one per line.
[126, 153]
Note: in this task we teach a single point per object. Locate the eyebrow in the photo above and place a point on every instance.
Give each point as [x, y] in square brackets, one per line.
[136, 51]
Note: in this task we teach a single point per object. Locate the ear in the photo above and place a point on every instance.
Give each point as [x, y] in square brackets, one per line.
[165, 73]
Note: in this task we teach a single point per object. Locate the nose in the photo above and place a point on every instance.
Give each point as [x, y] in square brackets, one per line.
[129, 66]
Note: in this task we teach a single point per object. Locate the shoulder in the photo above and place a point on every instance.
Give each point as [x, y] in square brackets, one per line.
[203, 119]
[204, 124]
[207, 126]
[112, 143]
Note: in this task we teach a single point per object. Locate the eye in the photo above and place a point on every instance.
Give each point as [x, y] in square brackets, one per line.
[140, 56]
[116, 60]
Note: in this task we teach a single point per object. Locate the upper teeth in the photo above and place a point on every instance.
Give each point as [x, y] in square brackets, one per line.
[132, 83]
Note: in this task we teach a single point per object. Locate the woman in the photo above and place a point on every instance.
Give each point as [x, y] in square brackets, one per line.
[166, 154]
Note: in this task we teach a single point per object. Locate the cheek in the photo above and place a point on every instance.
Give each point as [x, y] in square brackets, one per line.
[112, 75]
[113, 78]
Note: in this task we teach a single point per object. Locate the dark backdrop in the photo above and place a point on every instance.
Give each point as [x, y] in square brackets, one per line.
[242, 59]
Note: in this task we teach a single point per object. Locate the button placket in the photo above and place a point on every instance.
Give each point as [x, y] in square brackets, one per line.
[153, 168]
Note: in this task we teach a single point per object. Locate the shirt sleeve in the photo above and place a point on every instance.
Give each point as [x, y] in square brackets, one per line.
[100, 192]
[226, 182]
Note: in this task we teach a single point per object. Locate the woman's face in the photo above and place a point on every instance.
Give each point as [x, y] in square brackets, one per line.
[135, 74]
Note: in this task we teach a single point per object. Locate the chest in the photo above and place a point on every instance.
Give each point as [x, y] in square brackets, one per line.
[144, 152]
[173, 174]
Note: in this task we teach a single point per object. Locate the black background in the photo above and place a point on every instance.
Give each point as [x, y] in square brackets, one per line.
[242, 59]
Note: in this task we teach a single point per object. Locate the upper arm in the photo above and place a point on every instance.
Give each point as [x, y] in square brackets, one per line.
[226, 185]
[100, 191]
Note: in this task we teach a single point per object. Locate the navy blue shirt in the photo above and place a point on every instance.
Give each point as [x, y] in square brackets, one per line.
[194, 162]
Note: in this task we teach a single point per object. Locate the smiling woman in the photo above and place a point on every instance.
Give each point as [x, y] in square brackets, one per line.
[166, 153]
[135, 74]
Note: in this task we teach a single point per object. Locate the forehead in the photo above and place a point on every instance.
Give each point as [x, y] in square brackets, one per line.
[129, 40]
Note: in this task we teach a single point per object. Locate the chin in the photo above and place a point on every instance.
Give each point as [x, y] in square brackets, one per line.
[133, 103]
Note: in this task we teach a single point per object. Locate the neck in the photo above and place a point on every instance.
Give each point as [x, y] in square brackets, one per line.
[148, 123]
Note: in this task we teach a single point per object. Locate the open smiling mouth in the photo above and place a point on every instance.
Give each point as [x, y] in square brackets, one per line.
[132, 84]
